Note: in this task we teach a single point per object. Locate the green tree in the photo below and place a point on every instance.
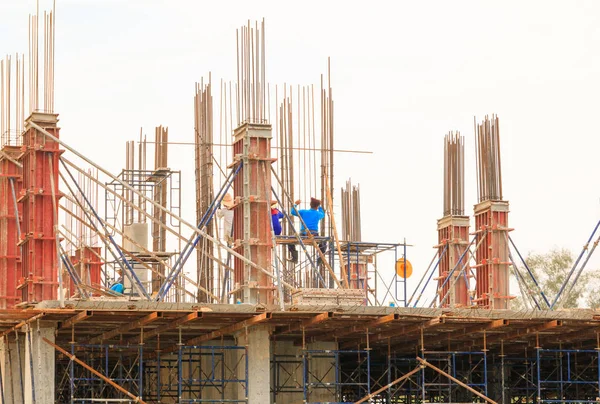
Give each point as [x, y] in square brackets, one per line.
[551, 270]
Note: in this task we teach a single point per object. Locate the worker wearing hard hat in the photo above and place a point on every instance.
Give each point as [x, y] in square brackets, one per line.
[227, 214]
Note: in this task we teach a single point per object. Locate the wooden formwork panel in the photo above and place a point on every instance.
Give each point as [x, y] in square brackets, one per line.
[40, 159]
[10, 256]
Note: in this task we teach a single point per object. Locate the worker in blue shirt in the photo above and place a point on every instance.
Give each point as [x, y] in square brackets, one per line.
[117, 286]
[276, 217]
[311, 217]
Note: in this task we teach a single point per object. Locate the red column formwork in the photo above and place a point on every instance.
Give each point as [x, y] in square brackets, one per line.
[492, 274]
[10, 255]
[252, 213]
[88, 265]
[453, 239]
[357, 272]
[39, 279]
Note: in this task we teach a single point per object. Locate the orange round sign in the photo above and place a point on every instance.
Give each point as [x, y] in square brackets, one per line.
[400, 270]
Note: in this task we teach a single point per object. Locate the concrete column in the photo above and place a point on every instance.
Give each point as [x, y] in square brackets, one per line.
[259, 364]
[38, 369]
[11, 362]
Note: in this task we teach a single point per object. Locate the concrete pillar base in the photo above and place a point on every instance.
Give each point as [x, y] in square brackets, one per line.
[39, 368]
[259, 364]
[12, 354]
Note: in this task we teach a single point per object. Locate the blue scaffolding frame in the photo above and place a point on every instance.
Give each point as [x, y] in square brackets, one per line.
[126, 370]
[468, 366]
[350, 382]
[562, 375]
[285, 371]
[215, 377]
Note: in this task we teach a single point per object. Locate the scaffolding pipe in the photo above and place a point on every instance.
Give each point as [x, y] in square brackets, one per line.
[585, 247]
[275, 264]
[112, 227]
[194, 239]
[531, 275]
[61, 297]
[94, 371]
[291, 222]
[153, 203]
[428, 279]
[112, 240]
[587, 258]
[125, 237]
[310, 236]
[336, 239]
[389, 385]
[112, 177]
[455, 380]
[525, 292]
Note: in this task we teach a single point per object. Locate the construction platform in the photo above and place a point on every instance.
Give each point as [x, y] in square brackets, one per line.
[347, 325]
[310, 353]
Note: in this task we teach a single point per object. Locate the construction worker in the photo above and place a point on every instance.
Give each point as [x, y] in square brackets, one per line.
[117, 286]
[276, 217]
[311, 217]
[227, 214]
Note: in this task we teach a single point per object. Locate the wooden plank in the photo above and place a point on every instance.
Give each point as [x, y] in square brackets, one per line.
[257, 319]
[370, 325]
[520, 333]
[398, 333]
[21, 324]
[75, 319]
[229, 329]
[172, 325]
[127, 327]
[318, 319]
[527, 331]
[475, 329]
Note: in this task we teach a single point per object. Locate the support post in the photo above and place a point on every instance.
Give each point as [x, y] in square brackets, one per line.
[11, 353]
[38, 368]
[258, 372]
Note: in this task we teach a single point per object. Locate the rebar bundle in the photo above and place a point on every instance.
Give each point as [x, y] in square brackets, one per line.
[454, 174]
[286, 146]
[48, 62]
[159, 224]
[351, 226]
[203, 123]
[327, 145]
[252, 94]
[12, 100]
[489, 170]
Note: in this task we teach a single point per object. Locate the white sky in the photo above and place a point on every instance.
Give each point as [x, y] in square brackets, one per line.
[404, 74]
